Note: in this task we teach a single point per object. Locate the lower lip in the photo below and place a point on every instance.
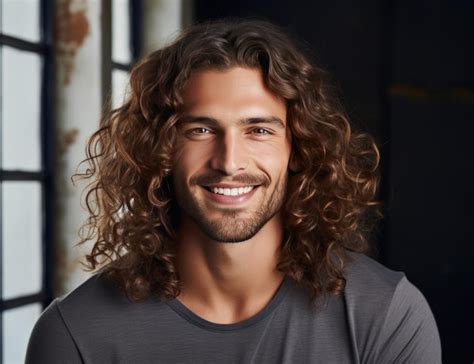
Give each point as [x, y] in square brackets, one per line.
[230, 200]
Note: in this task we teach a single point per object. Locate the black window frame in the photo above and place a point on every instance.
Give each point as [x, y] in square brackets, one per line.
[136, 45]
[43, 48]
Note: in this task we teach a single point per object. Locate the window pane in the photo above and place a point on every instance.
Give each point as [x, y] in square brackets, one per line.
[119, 87]
[20, 18]
[21, 86]
[121, 31]
[17, 326]
[21, 225]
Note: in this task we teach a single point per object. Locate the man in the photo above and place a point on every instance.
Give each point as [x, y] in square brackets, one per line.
[229, 202]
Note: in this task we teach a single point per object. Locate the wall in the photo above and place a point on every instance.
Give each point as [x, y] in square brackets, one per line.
[78, 106]
[78, 109]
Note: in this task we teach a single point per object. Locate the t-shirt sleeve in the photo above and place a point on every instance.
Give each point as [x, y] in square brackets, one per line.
[51, 341]
[409, 333]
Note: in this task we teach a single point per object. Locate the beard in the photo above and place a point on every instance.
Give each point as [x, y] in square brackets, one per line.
[234, 224]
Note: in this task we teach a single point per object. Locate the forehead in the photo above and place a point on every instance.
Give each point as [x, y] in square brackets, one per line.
[238, 91]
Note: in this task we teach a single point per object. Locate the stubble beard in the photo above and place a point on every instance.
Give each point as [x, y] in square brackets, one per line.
[232, 227]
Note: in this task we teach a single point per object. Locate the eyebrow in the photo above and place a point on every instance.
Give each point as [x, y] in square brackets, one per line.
[206, 120]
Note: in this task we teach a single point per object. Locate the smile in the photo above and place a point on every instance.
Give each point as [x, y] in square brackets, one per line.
[230, 196]
[231, 191]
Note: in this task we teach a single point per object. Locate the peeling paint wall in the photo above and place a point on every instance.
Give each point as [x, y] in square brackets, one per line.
[78, 109]
[78, 106]
[72, 28]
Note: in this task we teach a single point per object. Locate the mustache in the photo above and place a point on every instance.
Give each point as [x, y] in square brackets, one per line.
[246, 179]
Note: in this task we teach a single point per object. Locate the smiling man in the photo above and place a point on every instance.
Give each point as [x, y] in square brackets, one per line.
[228, 208]
[230, 176]
[233, 151]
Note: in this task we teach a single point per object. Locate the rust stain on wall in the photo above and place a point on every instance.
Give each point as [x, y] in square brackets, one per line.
[430, 93]
[66, 139]
[63, 269]
[409, 91]
[72, 28]
[70, 136]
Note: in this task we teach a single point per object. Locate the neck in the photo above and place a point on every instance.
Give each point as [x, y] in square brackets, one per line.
[228, 282]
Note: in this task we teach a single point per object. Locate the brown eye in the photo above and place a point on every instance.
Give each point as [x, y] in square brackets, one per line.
[200, 131]
[262, 131]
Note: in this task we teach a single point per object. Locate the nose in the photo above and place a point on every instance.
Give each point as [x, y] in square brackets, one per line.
[230, 155]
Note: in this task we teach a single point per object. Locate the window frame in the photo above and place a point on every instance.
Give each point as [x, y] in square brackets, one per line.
[43, 48]
[136, 46]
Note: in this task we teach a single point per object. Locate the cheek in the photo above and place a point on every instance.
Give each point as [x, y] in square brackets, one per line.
[274, 167]
[271, 156]
[193, 155]
[191, 158]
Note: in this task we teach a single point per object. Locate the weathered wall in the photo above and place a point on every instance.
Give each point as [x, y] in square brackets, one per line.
[78, 108]
[78, 105]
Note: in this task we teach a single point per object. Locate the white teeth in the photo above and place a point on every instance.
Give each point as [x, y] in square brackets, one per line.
[232, 191]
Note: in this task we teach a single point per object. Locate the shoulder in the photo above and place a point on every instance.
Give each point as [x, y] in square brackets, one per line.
[56, 335]
[72, 325]
[97, 293]
[389, 317]
[366, 276]
[369, 290]
[50, 340]
[98, 305]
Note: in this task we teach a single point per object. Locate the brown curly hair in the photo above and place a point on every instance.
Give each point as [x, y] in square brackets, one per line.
[330, 205]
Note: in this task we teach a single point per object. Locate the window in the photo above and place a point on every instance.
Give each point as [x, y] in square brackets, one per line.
[125, 45]
[26, 150]
[25, 170]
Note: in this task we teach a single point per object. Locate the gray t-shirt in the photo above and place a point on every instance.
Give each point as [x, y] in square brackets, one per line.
[380, 318]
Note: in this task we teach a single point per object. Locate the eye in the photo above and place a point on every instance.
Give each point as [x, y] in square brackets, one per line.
[262, 131]
[197, 131]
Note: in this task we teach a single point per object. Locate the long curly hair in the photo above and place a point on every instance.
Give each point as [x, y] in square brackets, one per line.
[331, 202]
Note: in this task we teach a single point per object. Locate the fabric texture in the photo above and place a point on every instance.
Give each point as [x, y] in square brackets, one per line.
[381, 318]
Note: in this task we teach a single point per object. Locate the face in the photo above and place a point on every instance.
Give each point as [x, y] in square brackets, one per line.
[230, 168]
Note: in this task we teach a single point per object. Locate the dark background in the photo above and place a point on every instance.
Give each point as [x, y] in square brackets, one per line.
[406, 73]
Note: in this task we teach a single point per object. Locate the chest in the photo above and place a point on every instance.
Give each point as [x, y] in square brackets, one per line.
[287, 335]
